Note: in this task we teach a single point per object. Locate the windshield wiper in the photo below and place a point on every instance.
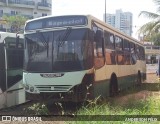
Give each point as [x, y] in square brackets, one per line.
[44, 41]
[62, 38]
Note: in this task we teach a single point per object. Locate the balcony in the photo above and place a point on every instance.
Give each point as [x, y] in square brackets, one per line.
[22, 3]
[27, 16]
[44, 6]
[2, 2]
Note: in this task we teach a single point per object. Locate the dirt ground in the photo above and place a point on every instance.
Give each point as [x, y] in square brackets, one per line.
[150, 87]
[152, 78]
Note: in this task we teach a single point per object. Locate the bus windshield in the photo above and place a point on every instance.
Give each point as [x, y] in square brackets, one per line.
[58, 51]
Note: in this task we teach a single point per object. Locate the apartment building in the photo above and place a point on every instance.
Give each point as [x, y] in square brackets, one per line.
[120, 20]
[28, 8]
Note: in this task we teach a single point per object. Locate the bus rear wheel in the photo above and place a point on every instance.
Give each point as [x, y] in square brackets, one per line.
[113, 86]
[139, 78]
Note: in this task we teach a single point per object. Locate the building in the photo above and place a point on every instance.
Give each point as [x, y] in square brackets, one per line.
[120, 20]
[28, 8]
[152, 53]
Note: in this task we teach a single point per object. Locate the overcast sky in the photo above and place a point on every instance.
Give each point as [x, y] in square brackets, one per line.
[97, 8]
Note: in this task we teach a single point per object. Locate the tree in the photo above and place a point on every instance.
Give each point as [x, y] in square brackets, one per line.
[15, 22]
[151, 30]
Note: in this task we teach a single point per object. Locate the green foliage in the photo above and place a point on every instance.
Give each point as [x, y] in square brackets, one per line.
[151, 29]
[39, 109]
[121, 111]
[150, 106]
[16, 22]
[156, 39]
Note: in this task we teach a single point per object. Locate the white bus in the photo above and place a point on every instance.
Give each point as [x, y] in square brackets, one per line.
[78, 56]
[11, 65]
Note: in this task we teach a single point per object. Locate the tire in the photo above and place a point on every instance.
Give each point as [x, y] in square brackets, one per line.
[113, 86]
[139, 78]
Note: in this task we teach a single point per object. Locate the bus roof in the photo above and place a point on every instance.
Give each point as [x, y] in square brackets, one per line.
[45, 17]
[92, 18]
[114, 29]
[3, 35]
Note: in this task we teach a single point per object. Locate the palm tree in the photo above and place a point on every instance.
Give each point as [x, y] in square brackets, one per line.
[151, 30]
[15, 22]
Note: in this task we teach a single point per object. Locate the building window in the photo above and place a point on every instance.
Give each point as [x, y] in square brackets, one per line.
[13, 12]
[1, 13]
[44, 14]
[1, 26]
[17, 1]
[44, 1]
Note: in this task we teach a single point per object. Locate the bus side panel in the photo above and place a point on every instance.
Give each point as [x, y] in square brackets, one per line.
[15, 64]
[127, 81]
[101, 88]
[17, 96]
[14, 76]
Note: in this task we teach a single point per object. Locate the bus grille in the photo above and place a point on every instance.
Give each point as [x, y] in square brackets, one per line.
[53, 88]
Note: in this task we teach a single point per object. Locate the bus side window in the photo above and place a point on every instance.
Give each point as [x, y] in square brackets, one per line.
[126, 49]
[119, 48]
[137, 52]
[109, 48]
[98, 50]
[98, 44]
[142, 53]
[2, 57]
[118, 43]
[2, 68]
[133, 54]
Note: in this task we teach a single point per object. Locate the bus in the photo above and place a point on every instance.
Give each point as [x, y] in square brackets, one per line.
[11, 69]
[78, 57]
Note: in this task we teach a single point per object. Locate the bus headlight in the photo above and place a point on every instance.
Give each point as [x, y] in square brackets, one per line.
[31, 89]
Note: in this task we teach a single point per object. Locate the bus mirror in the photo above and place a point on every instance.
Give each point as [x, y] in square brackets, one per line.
[98, 36]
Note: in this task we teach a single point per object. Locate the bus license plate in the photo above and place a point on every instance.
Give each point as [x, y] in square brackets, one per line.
[52, 88]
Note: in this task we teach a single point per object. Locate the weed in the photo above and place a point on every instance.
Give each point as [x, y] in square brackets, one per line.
[39, 109]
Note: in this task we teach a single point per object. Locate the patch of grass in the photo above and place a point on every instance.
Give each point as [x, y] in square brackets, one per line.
[38, 109]
[132, 110]
[150, 106]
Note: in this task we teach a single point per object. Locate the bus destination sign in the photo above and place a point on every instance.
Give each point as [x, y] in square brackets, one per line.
[59, 21]
[66, 21]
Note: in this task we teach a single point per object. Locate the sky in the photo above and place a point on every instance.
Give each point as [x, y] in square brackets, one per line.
[96, 8]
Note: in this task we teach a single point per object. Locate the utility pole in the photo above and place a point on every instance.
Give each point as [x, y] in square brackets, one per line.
[158, 70]
[105, 12]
